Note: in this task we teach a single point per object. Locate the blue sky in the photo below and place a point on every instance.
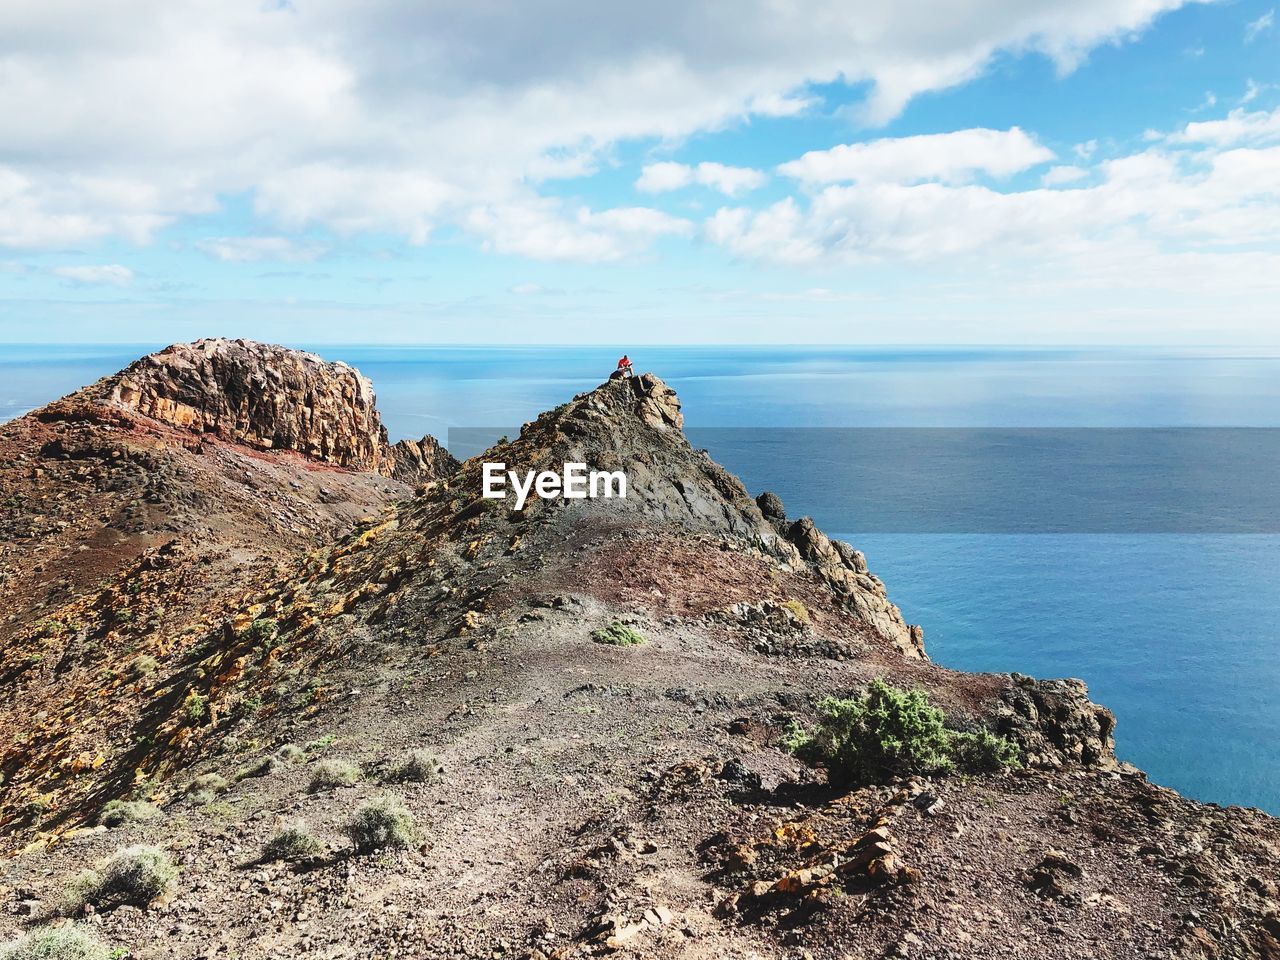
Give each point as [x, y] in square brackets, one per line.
[1049, 172]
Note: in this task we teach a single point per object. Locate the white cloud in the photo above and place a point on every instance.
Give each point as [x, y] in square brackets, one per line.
[1193, 192]
[661, 177]
[111, 275]
[1085, 150]
[399, 117]
[539, 228]
[1238, 127]
[949, 157]
[251, 249]
[731, 181]
[1060, 175]
[1256, 28]
[1210, 101]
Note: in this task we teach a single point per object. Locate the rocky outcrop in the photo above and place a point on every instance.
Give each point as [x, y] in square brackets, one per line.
[1056, 723]
[420, 461]
[845, 570]
[270, 398]
[656, 403]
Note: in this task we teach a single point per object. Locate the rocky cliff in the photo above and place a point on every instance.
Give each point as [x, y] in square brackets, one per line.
[270, 398]
[583, 712]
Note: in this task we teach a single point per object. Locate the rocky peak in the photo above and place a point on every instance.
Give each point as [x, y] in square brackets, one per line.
[270, 398]
[636, 425]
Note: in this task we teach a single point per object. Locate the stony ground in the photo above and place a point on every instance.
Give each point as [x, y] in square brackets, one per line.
[596, 799]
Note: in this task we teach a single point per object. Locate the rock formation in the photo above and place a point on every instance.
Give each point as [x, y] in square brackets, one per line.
[270, 398]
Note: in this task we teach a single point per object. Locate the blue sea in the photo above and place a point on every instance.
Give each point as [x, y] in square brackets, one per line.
[1158, 582]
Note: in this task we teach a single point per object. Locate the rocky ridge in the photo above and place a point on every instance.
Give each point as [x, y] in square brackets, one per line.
[598, 799]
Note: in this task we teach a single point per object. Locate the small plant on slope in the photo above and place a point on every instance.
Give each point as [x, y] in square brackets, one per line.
[419, 766]
[292, 843]
[618, 634]
[334, 773]
[118, 813]
[195, 708]
[144, 665]
[206, 787]
[134, 876]
[263, 632]
[381, 823]
[69, 942]
[291, 753]
[263, 767]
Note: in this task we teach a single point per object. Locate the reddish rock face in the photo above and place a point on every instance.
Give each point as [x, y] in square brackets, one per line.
[271, 398]
[259, 395]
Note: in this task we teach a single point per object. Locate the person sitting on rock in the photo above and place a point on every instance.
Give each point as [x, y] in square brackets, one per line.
[624, 367]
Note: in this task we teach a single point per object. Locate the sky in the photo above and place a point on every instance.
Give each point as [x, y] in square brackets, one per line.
[555, 171]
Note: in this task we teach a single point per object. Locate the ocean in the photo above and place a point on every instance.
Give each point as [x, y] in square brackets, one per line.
[1107, 514]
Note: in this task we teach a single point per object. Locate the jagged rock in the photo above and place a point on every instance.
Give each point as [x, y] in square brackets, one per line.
[1052, 876]
[771, 507]
[853, 559]
[1056, 723]
[845, 569]
[421, 461]
[270, 398]
[658, 405]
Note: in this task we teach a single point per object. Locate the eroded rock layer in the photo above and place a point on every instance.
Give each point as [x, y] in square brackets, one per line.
[270, 398]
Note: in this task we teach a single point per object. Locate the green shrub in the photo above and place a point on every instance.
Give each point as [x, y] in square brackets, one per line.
[143, 665]
[291, 753]
[206, 787]
[117, 813]
[264, 767]
[79, 891]
[136, 876]
[381, 823]
[419, 766]
[195, 707]
[618, 634]
[292, 843]
[321, 744]
[984, 752]
[891, 732]
[69, 942]
[330, 774]
[263, 632]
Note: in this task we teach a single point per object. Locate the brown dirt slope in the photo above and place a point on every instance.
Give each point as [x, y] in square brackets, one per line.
[124, 537]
